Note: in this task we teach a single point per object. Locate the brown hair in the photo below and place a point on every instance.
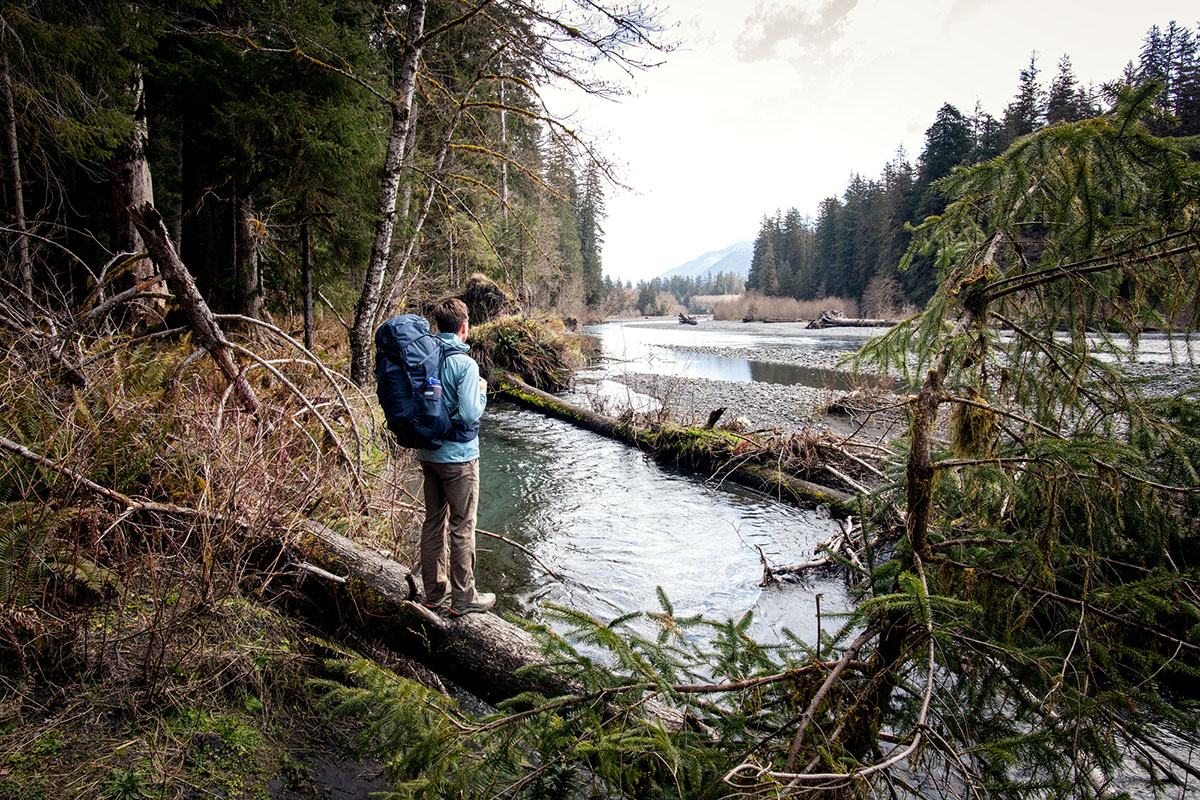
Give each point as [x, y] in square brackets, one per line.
[450, 315]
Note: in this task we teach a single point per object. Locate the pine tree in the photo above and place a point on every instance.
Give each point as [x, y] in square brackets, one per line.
[590, 213]
[1066, 101]
[987, 134]
[1026, 112]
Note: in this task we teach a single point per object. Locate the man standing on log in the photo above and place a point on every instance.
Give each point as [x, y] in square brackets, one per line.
[452, 477]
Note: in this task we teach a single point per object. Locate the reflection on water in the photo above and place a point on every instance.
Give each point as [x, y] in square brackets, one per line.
[616, 525]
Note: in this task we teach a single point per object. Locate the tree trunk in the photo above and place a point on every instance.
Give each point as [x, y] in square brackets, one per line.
[131, 185]
[919, 475]
[247, 264]
[150, 224]
[306, 272]
[480, 652]
[367, 309]
[24, 263]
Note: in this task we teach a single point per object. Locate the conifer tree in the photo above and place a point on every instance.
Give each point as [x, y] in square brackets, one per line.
[1026, 112]
[1066, 101]
[590, 214]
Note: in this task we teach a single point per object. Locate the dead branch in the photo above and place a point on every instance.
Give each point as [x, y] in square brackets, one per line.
[158, 242]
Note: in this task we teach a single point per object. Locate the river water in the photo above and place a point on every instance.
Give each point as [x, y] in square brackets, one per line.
[615, 525]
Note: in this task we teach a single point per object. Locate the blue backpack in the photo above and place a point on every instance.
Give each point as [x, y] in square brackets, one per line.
[408, 372]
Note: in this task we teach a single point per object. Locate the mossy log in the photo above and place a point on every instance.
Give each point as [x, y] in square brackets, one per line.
[480, 652]
[713, 451]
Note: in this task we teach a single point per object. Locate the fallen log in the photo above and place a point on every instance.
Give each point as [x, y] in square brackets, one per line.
[480, 652]
[712, 451]
[162, 252]
[687, 319]
[834, 319]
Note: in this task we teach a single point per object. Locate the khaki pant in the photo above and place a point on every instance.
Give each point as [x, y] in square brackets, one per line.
[451, 498]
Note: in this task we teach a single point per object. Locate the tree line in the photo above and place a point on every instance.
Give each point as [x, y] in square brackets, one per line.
[364, 153]
[855, 243]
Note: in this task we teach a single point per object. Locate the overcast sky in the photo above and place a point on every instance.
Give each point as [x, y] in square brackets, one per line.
[770, 104]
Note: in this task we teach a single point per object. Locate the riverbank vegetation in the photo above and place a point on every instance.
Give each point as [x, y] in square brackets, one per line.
[756, 307]
[1035, 631]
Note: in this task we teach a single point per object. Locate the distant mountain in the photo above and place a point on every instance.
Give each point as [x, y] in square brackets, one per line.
[735, 259]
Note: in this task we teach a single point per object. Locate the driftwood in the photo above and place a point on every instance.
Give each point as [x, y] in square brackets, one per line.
[686, 319]
[847, 542]
[150, 225]
[834, 319]
[678, 446]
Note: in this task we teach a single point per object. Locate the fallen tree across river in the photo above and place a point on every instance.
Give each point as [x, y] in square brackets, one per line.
[370, 592]
[723, 454]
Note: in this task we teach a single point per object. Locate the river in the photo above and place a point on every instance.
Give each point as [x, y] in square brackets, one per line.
[616, 525]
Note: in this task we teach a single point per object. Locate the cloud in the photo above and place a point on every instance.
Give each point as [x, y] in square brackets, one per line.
[812, 28]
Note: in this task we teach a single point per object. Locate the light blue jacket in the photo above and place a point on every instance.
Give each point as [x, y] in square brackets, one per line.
[464, 401]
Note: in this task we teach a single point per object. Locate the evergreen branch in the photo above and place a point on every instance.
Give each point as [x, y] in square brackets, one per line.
[819, 697]
[1051, 274]
[973, 462]
[656, 687]
[1081, 604]
[297, 52]
[966, 401]
[1045, 346]
[1146, 481]
[450, 25]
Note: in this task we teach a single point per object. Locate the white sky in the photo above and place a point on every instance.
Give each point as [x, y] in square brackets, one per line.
[775, 103]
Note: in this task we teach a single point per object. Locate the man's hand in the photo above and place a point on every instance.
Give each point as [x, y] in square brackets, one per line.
[483, 386]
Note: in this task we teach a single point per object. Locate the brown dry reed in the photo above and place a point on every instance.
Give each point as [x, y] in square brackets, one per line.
[752, 305]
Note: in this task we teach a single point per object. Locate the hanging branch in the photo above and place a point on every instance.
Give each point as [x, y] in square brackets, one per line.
[150, 225]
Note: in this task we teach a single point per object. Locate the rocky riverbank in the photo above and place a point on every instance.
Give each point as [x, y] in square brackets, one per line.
[689, 400]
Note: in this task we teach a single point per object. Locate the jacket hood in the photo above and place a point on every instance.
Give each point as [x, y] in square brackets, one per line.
[452, 344]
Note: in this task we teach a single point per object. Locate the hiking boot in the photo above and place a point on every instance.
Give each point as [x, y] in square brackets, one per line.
[483, 601]
[440, 607]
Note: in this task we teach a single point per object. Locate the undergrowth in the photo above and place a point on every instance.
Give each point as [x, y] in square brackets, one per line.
[142, 648]
[539, 352]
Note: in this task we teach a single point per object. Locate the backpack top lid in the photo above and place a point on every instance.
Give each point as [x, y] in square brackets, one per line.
[395, 336]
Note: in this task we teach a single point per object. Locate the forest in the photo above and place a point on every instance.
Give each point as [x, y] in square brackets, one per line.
[296, 151]
[855, 243]
[209, 206]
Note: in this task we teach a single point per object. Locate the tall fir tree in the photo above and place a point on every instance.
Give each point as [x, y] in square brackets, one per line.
[1026, 113]
[590, 214]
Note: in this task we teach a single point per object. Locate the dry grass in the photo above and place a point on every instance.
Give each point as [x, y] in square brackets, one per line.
[779, 309]
[707, 303]
[130, 641]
